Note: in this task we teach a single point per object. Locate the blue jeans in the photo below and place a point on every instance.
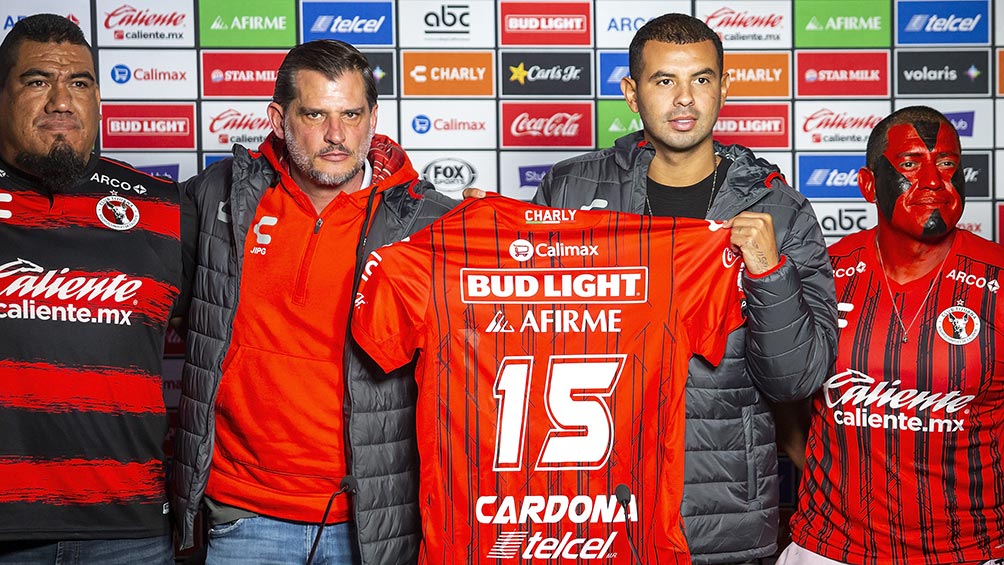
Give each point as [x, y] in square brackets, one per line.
[157, 550]
[265, 540]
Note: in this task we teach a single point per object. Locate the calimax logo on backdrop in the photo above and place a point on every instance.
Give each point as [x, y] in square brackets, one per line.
[922, 73]
[548, 73]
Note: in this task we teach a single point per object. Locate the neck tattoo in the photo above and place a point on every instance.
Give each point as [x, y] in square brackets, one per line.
[714, 188]
[895, 309]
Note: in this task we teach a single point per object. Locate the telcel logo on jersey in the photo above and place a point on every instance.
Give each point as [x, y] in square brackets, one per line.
[601, 285]
[553, 509]
[852, 393]
[956, 22]
[358, 23]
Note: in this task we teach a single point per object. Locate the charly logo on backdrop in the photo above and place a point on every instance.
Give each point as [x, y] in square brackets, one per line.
[546, 73]
[954, 22]
[922, 73]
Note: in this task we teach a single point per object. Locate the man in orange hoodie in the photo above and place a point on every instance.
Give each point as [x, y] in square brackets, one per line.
[281, 416]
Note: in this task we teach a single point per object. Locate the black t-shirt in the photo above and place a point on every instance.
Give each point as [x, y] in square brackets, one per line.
[88, 280]
[692, 201]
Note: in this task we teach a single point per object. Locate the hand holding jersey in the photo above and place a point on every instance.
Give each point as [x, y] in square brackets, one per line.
[907, 439]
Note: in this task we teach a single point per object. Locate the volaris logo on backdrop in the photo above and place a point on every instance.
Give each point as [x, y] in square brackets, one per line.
[842, 23]
[358, 23]
[955, 22]
[247, 23]
[943, 72]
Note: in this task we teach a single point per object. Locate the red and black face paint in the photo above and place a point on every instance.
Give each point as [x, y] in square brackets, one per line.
[919, 182]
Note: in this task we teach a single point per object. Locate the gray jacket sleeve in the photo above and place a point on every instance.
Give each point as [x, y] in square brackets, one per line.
[792, 314]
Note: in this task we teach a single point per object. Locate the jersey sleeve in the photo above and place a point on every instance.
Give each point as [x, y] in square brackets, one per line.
[390, 305]
[708, 277]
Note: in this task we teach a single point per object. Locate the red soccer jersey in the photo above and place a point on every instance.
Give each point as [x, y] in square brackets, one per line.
[554, 348]
[907, 441]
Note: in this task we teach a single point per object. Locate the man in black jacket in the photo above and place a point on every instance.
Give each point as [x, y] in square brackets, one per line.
[674, 168]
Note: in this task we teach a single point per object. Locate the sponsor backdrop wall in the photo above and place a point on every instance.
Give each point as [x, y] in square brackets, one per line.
[492, 92]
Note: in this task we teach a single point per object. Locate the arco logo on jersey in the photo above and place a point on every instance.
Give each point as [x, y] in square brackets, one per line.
[959, 275]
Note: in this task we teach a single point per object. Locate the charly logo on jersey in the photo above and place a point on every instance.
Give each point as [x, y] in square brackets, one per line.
[117, 213]
[522, 250]
[958, 325]
[551, 509]
[953, 22]
[5, 198]
[449, 174]
[262, 239]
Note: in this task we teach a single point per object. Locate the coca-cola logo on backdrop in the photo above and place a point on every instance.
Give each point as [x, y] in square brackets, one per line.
[539, 124]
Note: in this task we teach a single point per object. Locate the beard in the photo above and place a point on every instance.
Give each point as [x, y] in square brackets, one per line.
[302, 160]
[57, 170]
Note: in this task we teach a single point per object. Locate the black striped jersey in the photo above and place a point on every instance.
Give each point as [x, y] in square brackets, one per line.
[88, 280]
[553, 348]
[906, 449]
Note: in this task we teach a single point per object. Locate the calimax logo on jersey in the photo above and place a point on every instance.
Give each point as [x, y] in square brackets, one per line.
[145, 23]
[598, 285]
[550, 73]
[951, 22]
[836, 74]
[613, 67]
[358, 23]
[759, 74]
[545, 124]
[226, 123]
[829, 175]
[763, 126]
[545, 23]
[240, 74]
[745, 24]
[147, 126]
[942, 72]
[448, 73]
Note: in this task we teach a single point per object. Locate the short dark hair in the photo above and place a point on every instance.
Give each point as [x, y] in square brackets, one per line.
[41, 28]
[878, 140]
[330, 57]
[672, 28]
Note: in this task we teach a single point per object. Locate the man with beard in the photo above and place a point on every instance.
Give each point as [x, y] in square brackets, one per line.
[90, 268]
[783, 353]
[906, 444]
[281, 414]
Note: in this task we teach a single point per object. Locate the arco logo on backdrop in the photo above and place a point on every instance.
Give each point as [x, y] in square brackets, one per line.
[950, 22]
[358, 23]
[147, 126]
[548, 73]
[547, 124]
[554, 24]
[757, 126]
[448, 73]
[922, 73]
[759, 74]
[618, 20]
[839, 23]
[842, 73]
[240, 74]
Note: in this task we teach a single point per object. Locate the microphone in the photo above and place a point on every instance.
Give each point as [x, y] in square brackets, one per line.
[348, 484]
[623, 495]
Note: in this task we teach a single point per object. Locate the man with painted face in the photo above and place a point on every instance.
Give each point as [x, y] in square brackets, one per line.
[906, 443]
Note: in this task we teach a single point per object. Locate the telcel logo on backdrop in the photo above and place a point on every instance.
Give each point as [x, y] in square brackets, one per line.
[358, 23]
[842, 73]
[240, 74]
[613, 67]
[550, 73]
[546, 23]
[831, 175]
[955, 22]
[943, 72]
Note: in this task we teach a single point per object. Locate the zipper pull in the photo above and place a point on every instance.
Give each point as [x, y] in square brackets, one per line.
[317, 226]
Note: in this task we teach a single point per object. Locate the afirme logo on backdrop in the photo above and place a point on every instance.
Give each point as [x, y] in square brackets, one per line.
[546, 73]
[943, 72]
[358, 23]
[829, 175]
[842, 73]
[955, 22]
[613, 67]
[838, 23]
[759, 126]
[545, 23]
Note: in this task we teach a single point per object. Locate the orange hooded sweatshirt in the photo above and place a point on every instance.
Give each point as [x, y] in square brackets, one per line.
[280, 446]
